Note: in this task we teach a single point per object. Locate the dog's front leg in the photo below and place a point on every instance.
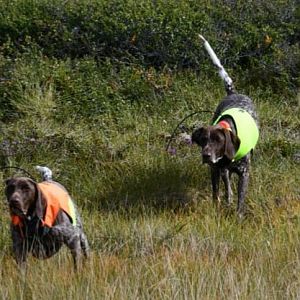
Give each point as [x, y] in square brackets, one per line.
[20, 247]
[215, 180]
[226, 179]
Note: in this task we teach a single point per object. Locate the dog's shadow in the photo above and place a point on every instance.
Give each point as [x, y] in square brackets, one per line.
[156, 188]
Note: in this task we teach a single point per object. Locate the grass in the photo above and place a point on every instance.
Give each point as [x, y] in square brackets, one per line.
[184, 256]
[153, 230]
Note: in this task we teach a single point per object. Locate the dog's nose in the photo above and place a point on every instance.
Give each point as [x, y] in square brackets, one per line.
[14, 202]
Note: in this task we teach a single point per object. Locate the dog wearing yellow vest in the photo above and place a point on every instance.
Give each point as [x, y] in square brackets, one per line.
[228, 142]
[43, 218]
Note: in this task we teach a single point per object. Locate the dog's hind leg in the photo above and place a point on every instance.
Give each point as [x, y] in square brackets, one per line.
[70, 236]
[75, 248]
[84, 245]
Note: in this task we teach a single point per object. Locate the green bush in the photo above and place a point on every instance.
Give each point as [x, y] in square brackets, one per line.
[258, 40]
[80, 87]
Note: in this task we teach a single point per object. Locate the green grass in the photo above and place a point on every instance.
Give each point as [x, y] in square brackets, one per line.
[169, 255]
[153, 230]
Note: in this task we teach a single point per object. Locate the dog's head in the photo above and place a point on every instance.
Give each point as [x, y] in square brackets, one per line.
[24, 197]
[216, 143]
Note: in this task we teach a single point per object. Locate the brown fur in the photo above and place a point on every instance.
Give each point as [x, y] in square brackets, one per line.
[219, 146]
[26, 200]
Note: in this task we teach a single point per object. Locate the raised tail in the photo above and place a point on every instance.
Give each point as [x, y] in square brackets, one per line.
[45, 172]
[222, 72]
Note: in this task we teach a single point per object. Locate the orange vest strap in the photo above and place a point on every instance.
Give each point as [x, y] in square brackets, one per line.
[16, 220]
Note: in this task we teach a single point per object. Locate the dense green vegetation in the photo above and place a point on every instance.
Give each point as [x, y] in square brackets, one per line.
[259, 41]
[93, 89]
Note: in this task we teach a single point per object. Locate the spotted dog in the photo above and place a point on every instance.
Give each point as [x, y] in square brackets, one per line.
[227, 143]
[43, 218]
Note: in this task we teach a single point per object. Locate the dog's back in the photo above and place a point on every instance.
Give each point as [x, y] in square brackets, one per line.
[234, 100]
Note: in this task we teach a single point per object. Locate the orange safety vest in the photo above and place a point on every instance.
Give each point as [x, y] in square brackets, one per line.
[56, 199]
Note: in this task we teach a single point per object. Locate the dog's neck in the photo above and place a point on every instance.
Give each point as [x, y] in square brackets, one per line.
[224, 124]
[228, 124]
[31, 211]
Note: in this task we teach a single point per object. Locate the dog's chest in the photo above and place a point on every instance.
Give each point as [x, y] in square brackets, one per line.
[33, 229]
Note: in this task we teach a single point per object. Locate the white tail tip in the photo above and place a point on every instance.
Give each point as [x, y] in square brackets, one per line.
[222, 72]
[45, 172]
[202, 37]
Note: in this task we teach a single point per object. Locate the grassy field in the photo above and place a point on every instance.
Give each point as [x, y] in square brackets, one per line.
[93, 89]
[153, 230]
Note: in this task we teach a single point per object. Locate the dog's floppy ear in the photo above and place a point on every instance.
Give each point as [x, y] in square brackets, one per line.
[8, 181]
[39, 208]
[232, 143]
[197, 134]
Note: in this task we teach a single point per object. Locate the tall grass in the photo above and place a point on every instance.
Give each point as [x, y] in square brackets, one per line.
[153, 230]
[169, 255]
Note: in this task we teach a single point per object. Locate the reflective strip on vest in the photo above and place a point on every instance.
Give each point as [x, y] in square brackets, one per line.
[246, 128]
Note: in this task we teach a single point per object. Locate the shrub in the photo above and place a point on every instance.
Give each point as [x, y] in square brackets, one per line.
[260, 38]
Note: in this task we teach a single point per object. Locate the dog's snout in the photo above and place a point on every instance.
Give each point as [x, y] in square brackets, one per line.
[16, 206]
[206, 157]
[14, 202]
[206, 153]
[14, 199]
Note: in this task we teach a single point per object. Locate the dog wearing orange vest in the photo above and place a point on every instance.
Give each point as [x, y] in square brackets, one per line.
[43, 218]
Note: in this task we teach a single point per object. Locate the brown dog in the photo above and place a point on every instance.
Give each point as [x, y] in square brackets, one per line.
[43, 219]
[226, 148]
[228, 142]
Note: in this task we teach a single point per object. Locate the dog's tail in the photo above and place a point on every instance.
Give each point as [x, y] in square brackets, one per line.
[222, 72]
[45, 172]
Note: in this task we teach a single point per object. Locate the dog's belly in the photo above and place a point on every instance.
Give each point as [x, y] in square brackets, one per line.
[45, 247]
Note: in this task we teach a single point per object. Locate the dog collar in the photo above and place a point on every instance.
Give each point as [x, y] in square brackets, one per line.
[225, 125]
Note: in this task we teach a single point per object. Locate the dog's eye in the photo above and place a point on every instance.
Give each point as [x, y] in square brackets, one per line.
[216, 138]
[24, 188]
[203, 141]
[9, 190]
